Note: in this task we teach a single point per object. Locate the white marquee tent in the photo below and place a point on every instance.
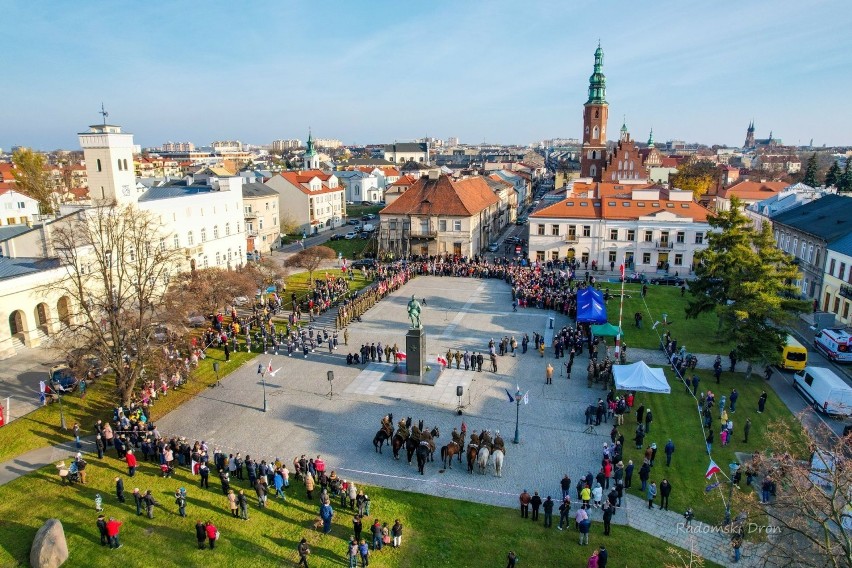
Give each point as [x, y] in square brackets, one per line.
[640, 377]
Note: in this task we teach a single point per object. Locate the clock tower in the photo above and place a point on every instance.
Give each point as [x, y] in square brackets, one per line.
[595, 113]
[108, 153]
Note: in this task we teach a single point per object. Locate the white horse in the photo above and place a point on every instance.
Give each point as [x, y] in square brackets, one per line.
[498, 462]
[482, 459]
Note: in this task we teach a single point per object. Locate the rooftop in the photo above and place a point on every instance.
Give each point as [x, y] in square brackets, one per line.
[14, 267]
[828, 218]
[443, 196]
[172, 189]
[255, 189]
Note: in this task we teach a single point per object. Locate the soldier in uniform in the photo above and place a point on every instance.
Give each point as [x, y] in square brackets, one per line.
[458, 357]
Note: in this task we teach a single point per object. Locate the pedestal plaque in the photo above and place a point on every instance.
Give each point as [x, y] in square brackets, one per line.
[415, 349]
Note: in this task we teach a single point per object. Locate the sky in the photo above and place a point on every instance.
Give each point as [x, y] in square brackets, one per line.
[369, 72]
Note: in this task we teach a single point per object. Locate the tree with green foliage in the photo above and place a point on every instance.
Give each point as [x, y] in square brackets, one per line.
[810, 177]
[833, 175]
[697, 177]
[748, 282]
[845, 182]
[32, 179]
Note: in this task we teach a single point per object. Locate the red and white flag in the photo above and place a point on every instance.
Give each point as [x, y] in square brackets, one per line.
[442, 361]
[401, 355]
[195, 467]
[711, 469]
[622, 271]
[269, 367]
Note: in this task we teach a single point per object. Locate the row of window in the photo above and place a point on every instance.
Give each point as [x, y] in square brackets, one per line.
[612, 256]
[122, 165]
[808, 251]
[248, 209]
[190, 236]
[836, 306]
[424, 225]
[841, 272]
[615, 234]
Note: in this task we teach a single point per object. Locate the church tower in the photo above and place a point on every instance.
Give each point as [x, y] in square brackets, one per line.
[311, 159]
[749, 141]
[595, 112]
[108, 153]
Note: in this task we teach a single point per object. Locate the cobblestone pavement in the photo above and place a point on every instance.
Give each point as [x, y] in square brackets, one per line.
[304, 418]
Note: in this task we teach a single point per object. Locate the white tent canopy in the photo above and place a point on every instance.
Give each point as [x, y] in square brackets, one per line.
[640, 377]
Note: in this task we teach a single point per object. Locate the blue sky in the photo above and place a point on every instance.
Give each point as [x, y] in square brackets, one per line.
[378, 71]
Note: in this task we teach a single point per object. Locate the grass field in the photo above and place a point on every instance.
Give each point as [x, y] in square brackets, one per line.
[358, 211]
[437, 532]
[697, 334]
[300, 282]
[352, 249]
[676, 417]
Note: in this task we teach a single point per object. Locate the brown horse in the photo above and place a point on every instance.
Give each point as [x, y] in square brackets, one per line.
[472, 453]
[447, 453]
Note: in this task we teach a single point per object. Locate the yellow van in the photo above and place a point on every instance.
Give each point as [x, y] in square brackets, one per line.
[794, 356]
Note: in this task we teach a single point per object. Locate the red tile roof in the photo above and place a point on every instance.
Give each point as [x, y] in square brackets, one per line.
[405, 180]
[753, 189]
[444, 196]
[301, 179]
[619, 208]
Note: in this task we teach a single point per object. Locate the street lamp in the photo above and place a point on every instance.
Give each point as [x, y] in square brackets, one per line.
[732, 467]
[518, 395]
[61, 414]
[216, 370]
[263, 381]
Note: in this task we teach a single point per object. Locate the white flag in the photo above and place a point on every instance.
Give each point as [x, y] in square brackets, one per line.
[527, 397]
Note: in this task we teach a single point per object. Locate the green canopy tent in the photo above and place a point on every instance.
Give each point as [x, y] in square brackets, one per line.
[606, 330]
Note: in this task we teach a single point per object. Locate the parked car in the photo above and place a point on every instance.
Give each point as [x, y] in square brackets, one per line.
[636, 279]
[350, 203]
[513, 240]
[669, 281]
[61, 379]
[493, 247]
[824, 390]
[521, 221]
[337, 237]
[349, 236]
[241, 301]
[353, 222]
[364, 263]
[368, 216]
[366, 203]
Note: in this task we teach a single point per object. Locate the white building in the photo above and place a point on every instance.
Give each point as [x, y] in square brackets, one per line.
[16, 208]
[837, 281]
[360, 186]
[312, 199]
[788, 198]
[401, 152]
[281, 145]
[647, 228]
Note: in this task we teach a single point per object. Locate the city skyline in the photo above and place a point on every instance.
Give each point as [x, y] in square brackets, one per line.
[494, 72]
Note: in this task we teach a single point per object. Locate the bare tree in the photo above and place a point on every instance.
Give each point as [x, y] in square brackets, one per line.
[812, 499]
[204, 291]
[263, 274]
[118, 269]
[310, 259]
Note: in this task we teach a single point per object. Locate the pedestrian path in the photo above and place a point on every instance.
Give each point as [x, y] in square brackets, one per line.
[36, 459]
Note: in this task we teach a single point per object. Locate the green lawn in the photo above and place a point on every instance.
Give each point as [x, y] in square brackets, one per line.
[358, 211]
[352, 249]
[300, 282]
[437, 532]
[697, 334]
[42, 427]
[676, 417]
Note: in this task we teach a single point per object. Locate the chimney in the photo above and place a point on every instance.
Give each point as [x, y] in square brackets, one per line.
[434, 174]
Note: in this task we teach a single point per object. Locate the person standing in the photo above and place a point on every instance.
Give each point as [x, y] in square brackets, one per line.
[564, 512]
[326, 514]
[119, 489]
[212, 534]
[665, 491]
[364, 550]
[131, 463]
[608, 510]
[102, 529]
[204, 473]
[584, 526]
[242, 501]
[628, 474]
[113, 527]
[525, 499]
[548, 374]
[593, 560]
[548, 512]
[761, 402]
[149, 504]
[733, 398]
[536, 504]
[651, 494]
[137, 498]
[736, 544]
[648, 419]
[603, 557]
[76, 429]
[670, 449]
[746, 429]
[565, 485]
[200, 534]
[303, 552]
[512, 559]
[396, 532]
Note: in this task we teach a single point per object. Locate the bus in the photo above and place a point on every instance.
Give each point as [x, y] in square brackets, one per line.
[794, 356]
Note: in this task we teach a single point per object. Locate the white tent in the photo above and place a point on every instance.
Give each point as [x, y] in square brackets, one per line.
[640, 377]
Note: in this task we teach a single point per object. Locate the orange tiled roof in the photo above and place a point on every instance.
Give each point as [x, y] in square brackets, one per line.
[300, 180]
[405, 180]
[6, 172]
[444, 196]
[620, 209]
[753, 189]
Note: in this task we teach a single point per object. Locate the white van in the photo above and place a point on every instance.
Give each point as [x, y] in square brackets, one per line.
[824, 390]
[369, 228]
[835, 343]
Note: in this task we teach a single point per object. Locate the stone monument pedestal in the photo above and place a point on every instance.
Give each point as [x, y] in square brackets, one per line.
[415, 351]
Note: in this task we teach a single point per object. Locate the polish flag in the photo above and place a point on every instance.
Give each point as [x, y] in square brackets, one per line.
[711, 469]
[269, 367]
[443, 361]
[401, 356]
[195, 467]
[622, 271]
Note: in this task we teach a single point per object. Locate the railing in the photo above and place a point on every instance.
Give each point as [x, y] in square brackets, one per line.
[846, 291]
[571, 238]
[420, 234]
[665, 245]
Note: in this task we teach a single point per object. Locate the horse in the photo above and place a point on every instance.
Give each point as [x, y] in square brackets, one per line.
[411, 444]
[472, 452]
[397, 443]
[433, 433]
[498, 462]
[482, 459]
[422, 456]
[381, 437]
[447, 453]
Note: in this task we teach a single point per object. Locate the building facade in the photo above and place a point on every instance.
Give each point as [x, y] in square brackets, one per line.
[401, 152]
[837, 281]
[440, 216]
[17, 208]
[312, 199]
[647, 228]
[260, 207]
[595, 114]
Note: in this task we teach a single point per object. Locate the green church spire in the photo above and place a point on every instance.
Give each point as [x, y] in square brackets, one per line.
[597, 82]
[309, 151]
[651, 139]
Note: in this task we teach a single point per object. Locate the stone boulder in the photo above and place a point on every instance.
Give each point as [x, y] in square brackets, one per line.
[49, 549]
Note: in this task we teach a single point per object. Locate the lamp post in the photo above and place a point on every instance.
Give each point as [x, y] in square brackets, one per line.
[263, 382]
[61, 414]
[732, 467]
[216, 370]
[518, 395]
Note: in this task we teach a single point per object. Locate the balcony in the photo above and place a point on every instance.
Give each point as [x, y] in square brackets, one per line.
[571, 238]
[421, 234]
[250, 214]
[664, 245]
[846, 291]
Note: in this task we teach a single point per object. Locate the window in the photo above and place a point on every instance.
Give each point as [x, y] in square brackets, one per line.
[595, 133]
[162, 244]
[554, 230]
[238, 227]
[260, 223]
[227, 229]
[680, 237]
[612, 255]
[613, 234]
[810, 253]
[646, 258]
[831, 268]
[631, 235]
[100, 169]
[442, 225]
[424, 226]
[392, 226]
[177, 241]
[203, 235]
[215, 231]
[572, 231]
[275, 220]
[845, 310]
[540, 229]
[587, 230]
[218, 258]
[204, 262]
[842, 272]
[836, 305]
[554, 255]
[457, 225]
[699, 238]
[678, 260]
[539, 255]
[132, 254]
[190, 239]
[593, 171]
[267, 206]
[649, 236]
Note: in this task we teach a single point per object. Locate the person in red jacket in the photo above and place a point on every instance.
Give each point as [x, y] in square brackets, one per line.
[212, 534]
[319, 465]
[112, 529]
[131, 463]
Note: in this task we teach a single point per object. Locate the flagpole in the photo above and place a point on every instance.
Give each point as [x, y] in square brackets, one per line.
[620, 314]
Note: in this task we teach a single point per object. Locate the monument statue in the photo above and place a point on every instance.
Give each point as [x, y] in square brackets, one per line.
[414, 312]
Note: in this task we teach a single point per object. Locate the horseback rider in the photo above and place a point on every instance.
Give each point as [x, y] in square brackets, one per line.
[474, 439]
[499, 444]
[456, 436]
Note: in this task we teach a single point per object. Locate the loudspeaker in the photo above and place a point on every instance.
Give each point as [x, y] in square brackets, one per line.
[330, 375]
[459, 390]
